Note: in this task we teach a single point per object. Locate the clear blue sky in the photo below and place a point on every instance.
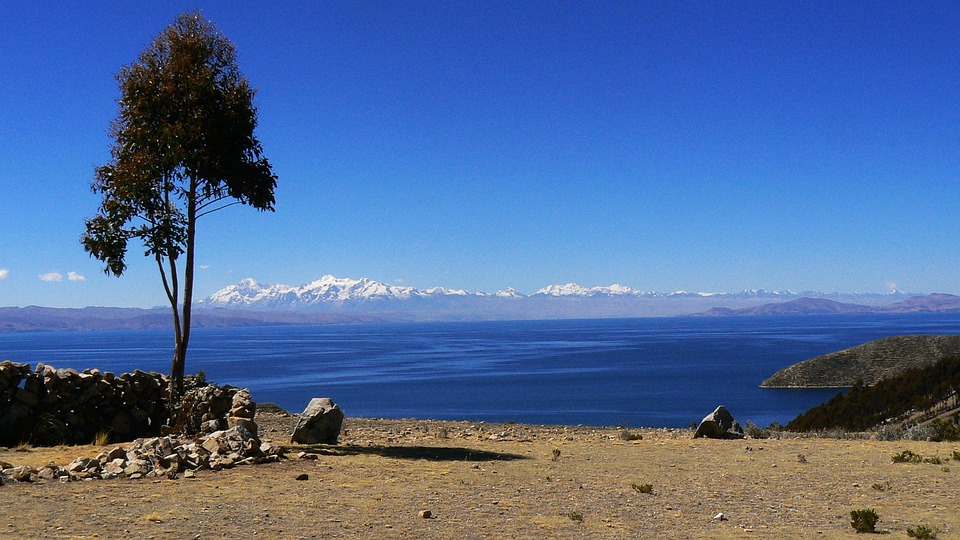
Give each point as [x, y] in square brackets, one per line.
[713, 146]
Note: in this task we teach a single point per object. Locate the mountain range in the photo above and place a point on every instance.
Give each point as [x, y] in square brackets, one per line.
[343, 300]
[331, 292]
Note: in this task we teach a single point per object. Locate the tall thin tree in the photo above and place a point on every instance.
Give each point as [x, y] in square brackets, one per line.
[184, 147]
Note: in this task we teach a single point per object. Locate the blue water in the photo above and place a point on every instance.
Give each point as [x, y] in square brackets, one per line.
[637, 372]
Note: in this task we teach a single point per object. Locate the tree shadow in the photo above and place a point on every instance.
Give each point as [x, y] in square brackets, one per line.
[429, 453]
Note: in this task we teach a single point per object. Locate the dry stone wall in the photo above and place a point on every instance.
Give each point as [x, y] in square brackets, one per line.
[46, 406]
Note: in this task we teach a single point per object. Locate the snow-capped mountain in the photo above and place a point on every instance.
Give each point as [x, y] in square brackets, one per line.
[328, 289]
[573, 289]
[331, 293]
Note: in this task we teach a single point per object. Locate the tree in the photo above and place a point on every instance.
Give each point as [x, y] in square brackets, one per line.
[183, 148]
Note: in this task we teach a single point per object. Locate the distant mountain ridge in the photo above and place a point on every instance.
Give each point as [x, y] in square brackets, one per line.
[343, 300]
[331, 291]
[932, 303]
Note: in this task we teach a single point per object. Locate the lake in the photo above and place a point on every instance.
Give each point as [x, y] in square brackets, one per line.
[654, 372]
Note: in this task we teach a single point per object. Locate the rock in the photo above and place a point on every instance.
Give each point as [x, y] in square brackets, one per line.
[115, 467]
[720, 517]
[248, 423]
[425, 514]
[719, 425]
[303, 476]
[319, 423]
[20, 474]
[243, 406]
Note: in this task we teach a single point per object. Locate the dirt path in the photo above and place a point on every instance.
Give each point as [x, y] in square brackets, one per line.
[504, 481]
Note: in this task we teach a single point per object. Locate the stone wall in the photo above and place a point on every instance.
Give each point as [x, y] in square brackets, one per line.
[47, 406]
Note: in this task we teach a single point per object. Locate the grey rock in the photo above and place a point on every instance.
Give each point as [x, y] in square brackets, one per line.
[319, 423]
[719, 424]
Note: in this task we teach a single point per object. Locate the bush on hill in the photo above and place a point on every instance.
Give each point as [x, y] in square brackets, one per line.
[866, 407]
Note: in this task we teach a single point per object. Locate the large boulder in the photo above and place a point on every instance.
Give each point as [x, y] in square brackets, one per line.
[319, 423]
[719, 424]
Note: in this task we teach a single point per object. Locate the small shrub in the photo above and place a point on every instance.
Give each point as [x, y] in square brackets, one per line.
[575, 516]
[881, 487]
[627, 435]
[102, 438]
[956, 455]
[801, 458]
[864, 520]
[935, 460]
[643, 488]
[945, 429]
[23, 446]
[889, 433]
[924, 533]
[556, 454]
[154, 518]
[919, 433]
[907, 456]
[754, 431]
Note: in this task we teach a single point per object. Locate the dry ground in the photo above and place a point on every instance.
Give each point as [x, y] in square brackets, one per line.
[502, 481]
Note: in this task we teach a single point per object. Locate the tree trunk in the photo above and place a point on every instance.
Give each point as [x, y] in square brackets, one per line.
[183, 337]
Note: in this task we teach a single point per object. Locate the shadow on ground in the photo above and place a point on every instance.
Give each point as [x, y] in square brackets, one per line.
[429, 453]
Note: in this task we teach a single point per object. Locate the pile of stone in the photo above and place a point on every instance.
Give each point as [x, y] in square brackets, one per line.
[55, 406]
[168, 456]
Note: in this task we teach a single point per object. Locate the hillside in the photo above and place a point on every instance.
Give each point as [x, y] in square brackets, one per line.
[909, 396]
[867, 363]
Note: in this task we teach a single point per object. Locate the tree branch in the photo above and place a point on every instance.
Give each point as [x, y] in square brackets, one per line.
[201, 214]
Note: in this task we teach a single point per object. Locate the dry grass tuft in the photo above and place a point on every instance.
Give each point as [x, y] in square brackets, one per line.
[102, 438]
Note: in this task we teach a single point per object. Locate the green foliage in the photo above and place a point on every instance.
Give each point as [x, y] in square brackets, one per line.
[945, 429]
[556, 454]
[881, 487]
[627, 435]
[864, 520]
[575, 516]
[643, 488]
[801, 458]
[922, 532]
[956, 455]
[935, 460]
[907, 456]
[866, 407]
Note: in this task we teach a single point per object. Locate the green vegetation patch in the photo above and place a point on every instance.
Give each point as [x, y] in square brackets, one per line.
[866, 407]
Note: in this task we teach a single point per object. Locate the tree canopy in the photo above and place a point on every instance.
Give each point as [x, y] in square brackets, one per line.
[183, 147]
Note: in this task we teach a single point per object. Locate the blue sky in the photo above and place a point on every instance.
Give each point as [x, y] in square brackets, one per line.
[713, 146]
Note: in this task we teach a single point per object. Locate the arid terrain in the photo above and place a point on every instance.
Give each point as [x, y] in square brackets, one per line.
[506, 481]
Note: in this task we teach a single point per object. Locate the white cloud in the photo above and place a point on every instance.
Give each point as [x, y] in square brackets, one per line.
[4, 274]
[51, 276]
[204, 266]
[73, 276]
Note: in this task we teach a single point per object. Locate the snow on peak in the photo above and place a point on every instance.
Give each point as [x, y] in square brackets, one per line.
[570, 289]
[509, 292]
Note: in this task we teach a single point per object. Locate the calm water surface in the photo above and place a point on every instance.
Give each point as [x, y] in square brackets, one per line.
[638, 372]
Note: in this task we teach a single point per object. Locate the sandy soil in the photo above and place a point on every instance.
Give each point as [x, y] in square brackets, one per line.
[505, 481]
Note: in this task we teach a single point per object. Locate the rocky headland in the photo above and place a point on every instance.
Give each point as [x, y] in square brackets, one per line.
[866, 364]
